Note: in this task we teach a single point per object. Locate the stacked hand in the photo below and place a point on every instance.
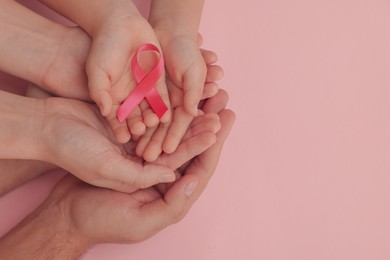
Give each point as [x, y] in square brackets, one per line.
[117, 30]
[129, 218]
[78, 139]
[160, 165]
[79, 215]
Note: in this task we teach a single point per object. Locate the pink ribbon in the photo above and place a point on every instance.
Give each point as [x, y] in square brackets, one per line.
[146, 87]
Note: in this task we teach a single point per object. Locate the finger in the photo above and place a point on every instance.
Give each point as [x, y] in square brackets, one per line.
[99, 89]
[206, 124]
[214, 73]
[209, 57]
[201, 124]
[137, 129]
[144, 141]
[146, 195]
[181, 196]
[172, 208]
[154, 147]
[121, 130]
[162, 188]
[210, 90]
[135, 123]
[216, 103]
[203, 166]
[193, 82]
[188, 150]
[150, 119]
[198, 125]
[126, 176]
[180, 122]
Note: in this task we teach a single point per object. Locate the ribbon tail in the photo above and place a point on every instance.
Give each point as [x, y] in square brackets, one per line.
[156, 103]
[145, 88]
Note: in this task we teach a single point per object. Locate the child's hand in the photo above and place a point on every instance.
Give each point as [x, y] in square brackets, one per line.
[185, 66]
[111, 80]
[166, 137]
[117, 30]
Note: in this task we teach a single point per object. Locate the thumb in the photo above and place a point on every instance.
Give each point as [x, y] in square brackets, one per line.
[128, 176]
[99, 89]
[160, 213]
[187, 69]
[193, 81]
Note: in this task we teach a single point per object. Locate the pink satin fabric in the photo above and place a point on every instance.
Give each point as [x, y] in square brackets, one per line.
[146, 87]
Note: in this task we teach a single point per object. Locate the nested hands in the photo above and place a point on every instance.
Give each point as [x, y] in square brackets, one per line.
[130, 218]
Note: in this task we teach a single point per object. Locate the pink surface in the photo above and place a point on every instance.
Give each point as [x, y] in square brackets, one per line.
[306, 172]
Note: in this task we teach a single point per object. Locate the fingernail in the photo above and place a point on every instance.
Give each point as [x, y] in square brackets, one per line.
[167, 177]
[190, 188]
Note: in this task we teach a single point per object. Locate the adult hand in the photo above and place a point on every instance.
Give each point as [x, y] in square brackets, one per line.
[76, 215]
[78, 130]
[129, 218]
[78, 139]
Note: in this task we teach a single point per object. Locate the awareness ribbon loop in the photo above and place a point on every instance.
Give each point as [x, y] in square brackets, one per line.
[146, 87]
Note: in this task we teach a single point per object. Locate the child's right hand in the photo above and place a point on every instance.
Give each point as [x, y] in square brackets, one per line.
[117, 30]
[110, 78]
[73, 136]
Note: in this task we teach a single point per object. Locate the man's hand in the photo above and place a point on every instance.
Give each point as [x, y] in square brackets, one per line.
[77, 139]
[129, 218]
[76, 215]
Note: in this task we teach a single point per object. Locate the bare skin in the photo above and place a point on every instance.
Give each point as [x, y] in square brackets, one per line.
[76, 216]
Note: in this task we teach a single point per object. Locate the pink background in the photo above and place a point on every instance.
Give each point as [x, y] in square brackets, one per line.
[305, 173]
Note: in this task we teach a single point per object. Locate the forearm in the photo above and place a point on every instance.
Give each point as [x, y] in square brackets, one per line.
[92, 15]
[25, 40]
[20, 122]
[178, 16]
[14, 173]
[44, 234]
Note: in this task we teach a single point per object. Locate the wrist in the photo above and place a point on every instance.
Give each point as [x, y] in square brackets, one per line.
[63, 73]
[126, 20]
[54, 41]
[21, 121]
[92, 17]
[167, 29]
[51, 135]
[33, 37]
[176, 16]
[44, 234]
[170, 39]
